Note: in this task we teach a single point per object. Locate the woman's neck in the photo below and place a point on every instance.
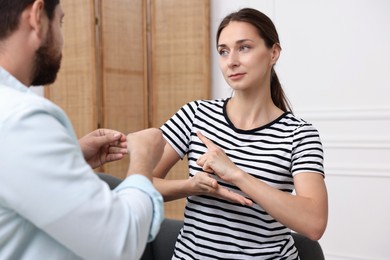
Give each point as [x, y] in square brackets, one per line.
[248, 112]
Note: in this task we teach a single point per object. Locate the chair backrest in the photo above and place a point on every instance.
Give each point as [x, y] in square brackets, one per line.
[163, 246]
[112, 181]
[307, 249]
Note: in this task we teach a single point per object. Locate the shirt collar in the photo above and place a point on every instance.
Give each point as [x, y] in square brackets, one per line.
[9, 80]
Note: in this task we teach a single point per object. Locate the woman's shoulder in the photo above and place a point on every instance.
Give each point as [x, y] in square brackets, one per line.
[297, 123]
[294, 119]
[206, 102]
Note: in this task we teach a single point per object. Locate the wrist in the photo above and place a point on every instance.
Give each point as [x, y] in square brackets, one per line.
[237, 176]
[188, 189]
[139, 168]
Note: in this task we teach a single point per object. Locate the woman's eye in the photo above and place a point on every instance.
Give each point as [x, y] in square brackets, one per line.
[223, 52]
[244, 48]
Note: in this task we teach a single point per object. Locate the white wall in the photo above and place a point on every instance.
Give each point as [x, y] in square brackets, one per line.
[335, 69]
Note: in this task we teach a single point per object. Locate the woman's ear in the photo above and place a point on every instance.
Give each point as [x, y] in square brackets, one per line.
[275, 53]
[38, 19]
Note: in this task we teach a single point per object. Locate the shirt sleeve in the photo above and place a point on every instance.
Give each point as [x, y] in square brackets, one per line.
[142, 183]
[45, 179]
[177, 130]
[307, 150]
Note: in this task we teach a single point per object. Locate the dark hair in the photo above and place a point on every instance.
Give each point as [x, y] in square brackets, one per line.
[268, 33]
[10, 11]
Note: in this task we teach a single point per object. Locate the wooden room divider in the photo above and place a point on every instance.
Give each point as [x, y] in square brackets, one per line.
[131, 64]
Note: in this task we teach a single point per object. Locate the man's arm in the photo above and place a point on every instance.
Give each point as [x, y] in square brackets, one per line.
[53, 188]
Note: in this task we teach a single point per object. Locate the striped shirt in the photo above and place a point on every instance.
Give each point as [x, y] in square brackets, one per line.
[274, 153]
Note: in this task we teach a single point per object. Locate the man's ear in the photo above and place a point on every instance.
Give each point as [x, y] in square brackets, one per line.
[38, 19]
[275, 53]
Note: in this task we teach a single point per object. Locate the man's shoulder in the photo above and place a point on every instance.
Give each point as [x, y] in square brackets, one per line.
[13, 102]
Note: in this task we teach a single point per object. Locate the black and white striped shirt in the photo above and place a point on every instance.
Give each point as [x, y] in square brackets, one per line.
[274, 153]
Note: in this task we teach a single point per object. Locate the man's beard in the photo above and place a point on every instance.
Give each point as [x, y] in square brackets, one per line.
[47, 63]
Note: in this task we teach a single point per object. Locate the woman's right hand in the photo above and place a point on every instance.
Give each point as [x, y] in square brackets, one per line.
[203, 184]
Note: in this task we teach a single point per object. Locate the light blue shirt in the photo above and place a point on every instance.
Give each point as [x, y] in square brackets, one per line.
[52, 205]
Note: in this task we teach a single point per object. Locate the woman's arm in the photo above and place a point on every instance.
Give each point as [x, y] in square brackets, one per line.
[200, 184]
[306, 212]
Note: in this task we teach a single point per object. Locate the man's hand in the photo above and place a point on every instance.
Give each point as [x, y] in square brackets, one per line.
[103, 145]
[145, 148]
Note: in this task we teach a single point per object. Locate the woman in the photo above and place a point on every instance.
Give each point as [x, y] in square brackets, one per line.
[246, 155]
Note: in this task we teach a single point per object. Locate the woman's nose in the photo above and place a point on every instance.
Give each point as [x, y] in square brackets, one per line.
[233, 60]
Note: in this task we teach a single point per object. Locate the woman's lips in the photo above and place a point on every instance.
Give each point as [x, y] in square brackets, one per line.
[236, 76]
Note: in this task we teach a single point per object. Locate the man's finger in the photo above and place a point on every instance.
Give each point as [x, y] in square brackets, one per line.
[115, 149]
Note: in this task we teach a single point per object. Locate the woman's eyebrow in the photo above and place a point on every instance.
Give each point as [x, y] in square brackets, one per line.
[237, 42]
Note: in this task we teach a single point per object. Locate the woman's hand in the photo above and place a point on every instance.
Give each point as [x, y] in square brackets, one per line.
[216, 161]
[203, 184]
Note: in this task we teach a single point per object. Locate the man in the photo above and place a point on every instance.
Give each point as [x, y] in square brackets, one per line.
[52, 205]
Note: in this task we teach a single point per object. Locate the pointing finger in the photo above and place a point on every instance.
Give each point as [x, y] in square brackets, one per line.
[209, 144]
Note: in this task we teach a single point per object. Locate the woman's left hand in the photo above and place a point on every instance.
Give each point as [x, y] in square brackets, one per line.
[216, 161]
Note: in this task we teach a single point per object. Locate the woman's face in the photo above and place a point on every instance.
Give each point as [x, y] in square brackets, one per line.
[244, 59]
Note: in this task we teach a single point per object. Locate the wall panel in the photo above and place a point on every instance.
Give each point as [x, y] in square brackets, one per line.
[180, 66]
[75, 87]
[124, 95]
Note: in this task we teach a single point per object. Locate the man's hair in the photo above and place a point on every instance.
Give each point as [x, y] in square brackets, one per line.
[10, 11]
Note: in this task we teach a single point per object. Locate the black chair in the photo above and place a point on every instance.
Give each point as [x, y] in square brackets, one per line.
[307, 248]
[162, 247]
[112, 181]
